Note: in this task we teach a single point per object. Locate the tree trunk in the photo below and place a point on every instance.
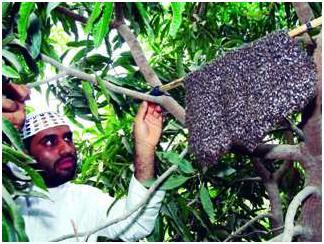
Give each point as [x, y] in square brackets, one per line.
[311, 215]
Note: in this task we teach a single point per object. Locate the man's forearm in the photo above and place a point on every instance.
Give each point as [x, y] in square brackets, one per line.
[144, 164]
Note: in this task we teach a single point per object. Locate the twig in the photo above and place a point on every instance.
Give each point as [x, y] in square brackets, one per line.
[150, 191]
[75, 230]
[260, 231]
[54, 78]
[250, 222]
[295, 129]
[292, 209]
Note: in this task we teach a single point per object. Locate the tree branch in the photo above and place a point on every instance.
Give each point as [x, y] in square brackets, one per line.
[261, 169]
[292, 209]
[298, 230]
[246, 225]
[280, 152]
[84, 76]
[54, 78]
[287, 164]
[273, 193]
[150, 76]
[273, 151]
[305, 14]
[146, 198]
[71, 14]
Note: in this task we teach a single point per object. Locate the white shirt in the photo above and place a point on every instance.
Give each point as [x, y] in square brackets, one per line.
[86, 206]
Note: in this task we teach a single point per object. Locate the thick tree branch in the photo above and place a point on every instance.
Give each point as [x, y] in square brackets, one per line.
[298, 231]
[273, 193]
[312, 156]
[246, 225]
[280, 152]
[138, 55]
[150, 76]
[84, 76]
[292, 209]
[305, 14]
[261, 169]
[287, 164]
[71, 14]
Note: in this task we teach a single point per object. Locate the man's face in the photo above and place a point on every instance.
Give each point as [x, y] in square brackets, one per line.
[55, 153]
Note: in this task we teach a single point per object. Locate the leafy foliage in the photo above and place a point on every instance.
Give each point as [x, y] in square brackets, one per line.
[201, 204]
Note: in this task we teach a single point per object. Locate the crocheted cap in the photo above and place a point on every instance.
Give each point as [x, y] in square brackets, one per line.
[36, 122]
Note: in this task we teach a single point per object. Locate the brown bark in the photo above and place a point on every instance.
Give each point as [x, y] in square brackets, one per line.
[311, 216]
[170, 104]
[305, 14]
[273, 193]
[71, 14]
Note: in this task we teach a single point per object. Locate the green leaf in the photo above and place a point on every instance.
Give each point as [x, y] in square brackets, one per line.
[207, 203]
[25, 10]
[12, 133]
[37, 179]
[103, 88]
[174, 158]
[146, 20]
[177, 9]
[35, 35]
[50, 7]
[93, 17]
[5, 7]
[174, 181]
[179, 65]
[12, 58]
[8, 39]
[80, 43]
[102, 27]
[9, 72]
[87, 88]
[8, 230]
[10, 154]
[17, 218]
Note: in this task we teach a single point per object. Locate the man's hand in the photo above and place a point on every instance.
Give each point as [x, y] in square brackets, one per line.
[147, 132]
[13, 103]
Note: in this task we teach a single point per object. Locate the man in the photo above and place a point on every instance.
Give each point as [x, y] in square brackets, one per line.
[79, 208]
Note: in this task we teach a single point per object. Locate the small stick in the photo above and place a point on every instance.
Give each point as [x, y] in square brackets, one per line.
[303, 28]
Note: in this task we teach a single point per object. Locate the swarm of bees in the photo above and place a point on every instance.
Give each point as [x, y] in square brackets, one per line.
[239, 97]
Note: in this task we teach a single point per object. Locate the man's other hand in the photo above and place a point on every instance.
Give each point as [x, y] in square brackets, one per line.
[147, 132]
[13, 103]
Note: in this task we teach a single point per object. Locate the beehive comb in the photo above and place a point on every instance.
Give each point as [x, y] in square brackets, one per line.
[239, 97]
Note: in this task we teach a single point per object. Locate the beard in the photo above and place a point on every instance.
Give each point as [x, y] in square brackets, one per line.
[64, 170]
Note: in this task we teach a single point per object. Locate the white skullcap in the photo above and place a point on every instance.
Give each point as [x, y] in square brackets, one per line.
[36, 122]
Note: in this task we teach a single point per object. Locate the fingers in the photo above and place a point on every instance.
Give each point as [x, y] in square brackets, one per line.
[16, 92]
[9, 105]
[17, 118]
[142, 111]
[157, 112]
